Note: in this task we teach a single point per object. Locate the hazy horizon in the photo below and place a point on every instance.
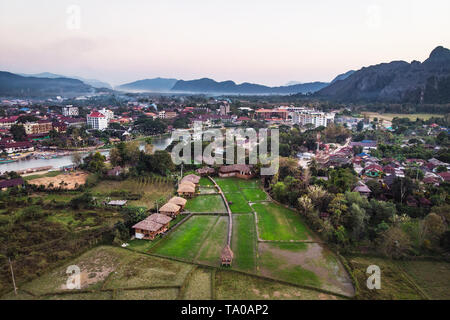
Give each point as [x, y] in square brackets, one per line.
[265, 42]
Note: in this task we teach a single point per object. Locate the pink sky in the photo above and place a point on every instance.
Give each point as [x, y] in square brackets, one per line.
[267, 42]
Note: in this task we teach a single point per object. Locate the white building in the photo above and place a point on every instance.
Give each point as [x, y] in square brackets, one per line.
[69, 111]
[97, 120]
[107, 113]
[316, 118]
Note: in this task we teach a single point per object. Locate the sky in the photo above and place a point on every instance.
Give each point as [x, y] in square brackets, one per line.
[259, 41]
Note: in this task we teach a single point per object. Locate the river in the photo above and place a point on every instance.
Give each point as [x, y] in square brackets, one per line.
[158, 144]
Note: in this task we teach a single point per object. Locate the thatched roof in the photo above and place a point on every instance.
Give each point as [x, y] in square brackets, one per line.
[170, 207]
[227, 254]
[178, 201]
[205, 170]
[153, 223]
[187, 183]
[159, 218]
[186, 188]
[236, 168]
[191, 178]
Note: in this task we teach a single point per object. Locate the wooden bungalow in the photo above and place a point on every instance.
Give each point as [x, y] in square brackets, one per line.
[191, 178]
[181, 202]
[236, 170]
[186, 189]
[205, 171]
[150, 227]
[170, 209]
[227, 256]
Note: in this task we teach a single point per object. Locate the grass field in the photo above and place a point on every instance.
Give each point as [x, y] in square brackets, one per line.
[237, 203]
[253, 195]
[147, 294]
[186, 241]
[48, 174]
[390, 116]
[198, 286]
[117, 273]
[151, 190]
[394, 285]
[305, 264]
[249, 184]
[206, 203]
[236, 286]
[431, 276]
[278, 223]
[243, 242]
[205, 182]
[228, 184]
[273, 262]
[214, 243]
[142, 271]
[95, 265]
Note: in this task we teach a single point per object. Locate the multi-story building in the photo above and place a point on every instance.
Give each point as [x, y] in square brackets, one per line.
[171, 114]
[107, 113]
[267, 114]
[70, 110]
[315, 118]
[42, 126]
[6, 123]
[97, 120]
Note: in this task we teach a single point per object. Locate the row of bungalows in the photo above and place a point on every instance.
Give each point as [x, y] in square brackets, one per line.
[243, 171]
[158, 223]
[151, 226]
[188, 185]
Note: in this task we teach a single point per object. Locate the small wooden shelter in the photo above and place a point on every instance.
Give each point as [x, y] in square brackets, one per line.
[151, 226]
[181, 202]
[191, 178]
[170, 209]
[186, 189]
[227, 256]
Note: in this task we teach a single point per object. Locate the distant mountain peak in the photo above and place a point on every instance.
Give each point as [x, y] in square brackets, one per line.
[440, 53]
[397, 81]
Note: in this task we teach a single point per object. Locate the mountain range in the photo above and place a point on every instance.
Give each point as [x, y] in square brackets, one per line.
[397, 81]
[210, 86]
[151, 85]
[14, 85]
[92, 82]
[393, 82]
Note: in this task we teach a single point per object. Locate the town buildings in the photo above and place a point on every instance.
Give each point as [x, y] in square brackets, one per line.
[69, 111]
[97, 120]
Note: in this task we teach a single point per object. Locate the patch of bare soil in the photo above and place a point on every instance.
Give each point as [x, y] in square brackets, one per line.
[68, 181]
[95, 269]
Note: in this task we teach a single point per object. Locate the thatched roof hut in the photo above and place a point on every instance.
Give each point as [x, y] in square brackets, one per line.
[227, 256]
[159, 218]
[170, 209]
[191, 178]
[178, 201]
[186, 189]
